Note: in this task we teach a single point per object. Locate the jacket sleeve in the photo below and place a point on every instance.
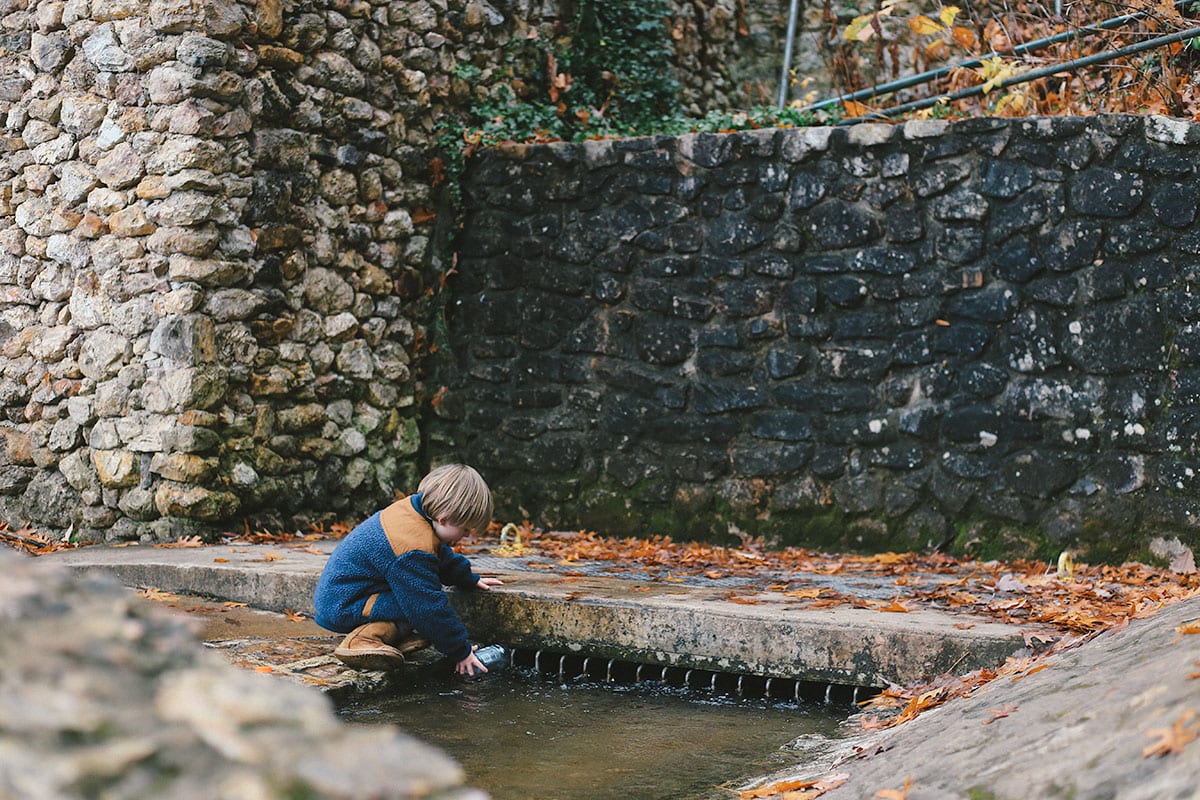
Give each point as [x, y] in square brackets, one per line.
[418, 589]
[455, 570]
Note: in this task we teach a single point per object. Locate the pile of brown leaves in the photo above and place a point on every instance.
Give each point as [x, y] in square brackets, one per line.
[33, 541]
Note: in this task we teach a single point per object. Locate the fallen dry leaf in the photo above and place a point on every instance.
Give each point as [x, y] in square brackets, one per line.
[185, 541]
[896, 794]
[1034, 639]
[893, 606]
[158, 595]
[294, 616]
[1186, 629]
[220, 560]
[999, 713]
[1038, 668]
[1171, 740]
[796, 789]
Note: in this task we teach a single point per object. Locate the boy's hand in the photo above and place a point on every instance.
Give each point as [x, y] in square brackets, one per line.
[470, 665]
[488, 583]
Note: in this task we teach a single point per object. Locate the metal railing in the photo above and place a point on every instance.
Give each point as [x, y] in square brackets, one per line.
[1021, 49]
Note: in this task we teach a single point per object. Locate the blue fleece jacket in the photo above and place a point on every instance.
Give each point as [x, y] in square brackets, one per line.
[392, 567]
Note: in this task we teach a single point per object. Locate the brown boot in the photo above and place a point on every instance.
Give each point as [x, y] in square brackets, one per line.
[410, 643]
[370, 646]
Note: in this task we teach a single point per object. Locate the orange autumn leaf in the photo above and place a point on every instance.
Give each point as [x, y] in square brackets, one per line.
[893, 606]
[999, 713]
[185, 541]
[855, 109]
[220, 560]
[1038, 668]
[965, 37]
[159, 596]
[896, 794]
[294, 616]
[1171, 740]
[1186, 629]
[796, 789]
[807, 594]
[264, 668]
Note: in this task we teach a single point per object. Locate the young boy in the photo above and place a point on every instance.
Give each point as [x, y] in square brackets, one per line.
[383, 584]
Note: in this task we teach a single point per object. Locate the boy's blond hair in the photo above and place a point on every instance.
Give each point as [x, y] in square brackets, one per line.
[457, 494]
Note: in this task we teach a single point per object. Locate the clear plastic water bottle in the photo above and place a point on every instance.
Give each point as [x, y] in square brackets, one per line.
[494, 657]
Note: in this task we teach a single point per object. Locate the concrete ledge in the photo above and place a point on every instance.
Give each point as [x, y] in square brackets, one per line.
[651, 622]
[698, 628]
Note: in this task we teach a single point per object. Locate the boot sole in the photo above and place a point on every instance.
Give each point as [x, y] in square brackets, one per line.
[376, 659]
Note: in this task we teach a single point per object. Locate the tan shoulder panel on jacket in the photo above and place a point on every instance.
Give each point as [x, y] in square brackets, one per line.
[406, 530]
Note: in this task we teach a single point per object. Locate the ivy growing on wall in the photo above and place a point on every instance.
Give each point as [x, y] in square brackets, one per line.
[609, 75]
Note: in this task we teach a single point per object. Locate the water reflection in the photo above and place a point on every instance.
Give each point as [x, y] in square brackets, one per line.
[521, 737]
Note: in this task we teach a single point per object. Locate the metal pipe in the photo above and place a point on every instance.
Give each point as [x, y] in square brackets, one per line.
[562, 667]
[828, 693]
[608, 671]
[1032, 75]
[785, 74]
[934, 74]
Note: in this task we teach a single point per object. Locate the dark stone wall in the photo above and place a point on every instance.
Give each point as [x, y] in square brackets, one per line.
[977, 335]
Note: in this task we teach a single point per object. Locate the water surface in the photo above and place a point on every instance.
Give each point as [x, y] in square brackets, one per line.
[521, 736]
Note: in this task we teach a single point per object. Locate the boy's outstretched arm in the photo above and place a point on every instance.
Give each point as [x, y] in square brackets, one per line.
[488, 583]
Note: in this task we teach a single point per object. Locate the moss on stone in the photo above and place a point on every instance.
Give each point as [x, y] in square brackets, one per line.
[992, 539]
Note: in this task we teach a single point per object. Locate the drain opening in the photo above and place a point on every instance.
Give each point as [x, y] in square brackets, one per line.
[566, 667]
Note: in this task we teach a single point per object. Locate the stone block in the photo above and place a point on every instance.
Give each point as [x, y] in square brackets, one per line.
[116, 469]
[188, 339]
[195, 502]
[184, 467]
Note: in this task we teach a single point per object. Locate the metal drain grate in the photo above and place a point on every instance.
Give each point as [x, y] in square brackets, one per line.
[576, 667]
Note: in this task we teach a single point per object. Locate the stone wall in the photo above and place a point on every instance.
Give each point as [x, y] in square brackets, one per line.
[217, 259]
[930, 334]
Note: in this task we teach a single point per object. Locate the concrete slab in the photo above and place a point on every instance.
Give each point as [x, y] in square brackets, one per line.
[676, 624]
[1116, 717]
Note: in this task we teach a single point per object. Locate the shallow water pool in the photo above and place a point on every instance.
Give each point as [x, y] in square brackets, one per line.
[519, 736]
